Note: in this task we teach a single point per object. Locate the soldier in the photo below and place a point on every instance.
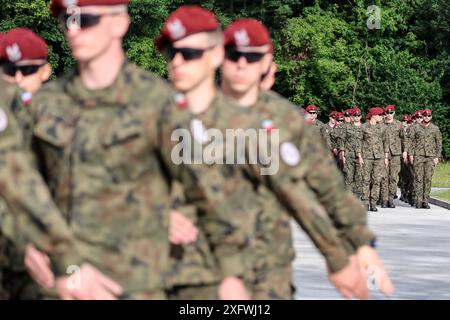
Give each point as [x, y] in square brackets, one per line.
[96, 134]
[404, 163]
[371, 152]
[426, 150]
[328, 128]
[351, 135]
[336, 136]
[417, 120]
[215, 114]
[316, 123]
[395, 135]
[26, 62]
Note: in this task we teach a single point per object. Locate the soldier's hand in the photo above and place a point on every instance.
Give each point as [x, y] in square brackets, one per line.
[268, 81]
[350, 282]
[405, 158]
[37, 264]
[88, 284]
[411, 159]
[233, 288]
[361, 162]
[386, 162]
[374, 270]
[181, 229]
[343, 159]
[436, 161]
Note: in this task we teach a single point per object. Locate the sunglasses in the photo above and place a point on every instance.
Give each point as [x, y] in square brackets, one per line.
[312, 112]
[357, 115]
[233, 55]
[427, 114]
[82, 20]
[389, 112]
[188, 54]
[11, 69]
[340, 120]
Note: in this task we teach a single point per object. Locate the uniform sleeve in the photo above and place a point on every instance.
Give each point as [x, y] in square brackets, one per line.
[438, 142]
[385, 136]
[36, 217]
[412, 142]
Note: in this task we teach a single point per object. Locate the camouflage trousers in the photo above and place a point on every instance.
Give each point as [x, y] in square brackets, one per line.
[373, 170]
[353, 176]
[390, 179]
[274, 284]
[407, 180]
[423, 175]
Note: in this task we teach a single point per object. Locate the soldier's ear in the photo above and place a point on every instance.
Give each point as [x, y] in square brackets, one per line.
[218, 55]
[46, 72]
[120, 25]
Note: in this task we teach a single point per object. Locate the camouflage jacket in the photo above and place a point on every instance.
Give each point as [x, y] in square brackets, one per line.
[395, 136]
[426, 141]
[326, 135]
[374, 143]
[349, 142]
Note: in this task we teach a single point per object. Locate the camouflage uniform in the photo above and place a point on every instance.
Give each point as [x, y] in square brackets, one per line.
[426, 144]
[326, 131]
[352, 171]
[6, 95]
[267, 223]
[372, 148]
[407, 169]
[395, 136]
[384, 183]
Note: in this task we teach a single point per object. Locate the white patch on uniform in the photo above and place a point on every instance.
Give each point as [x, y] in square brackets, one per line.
[241, 38]
[13, 53]
[290, 153]
[26, 96]
[3, 120]
[199, 131]
[176, 29]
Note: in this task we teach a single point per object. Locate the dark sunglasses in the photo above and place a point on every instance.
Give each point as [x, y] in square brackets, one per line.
[169, 52]
[389, 112]
[419, 117]
[340, 120]
[11, 69]
[233, 55]
[427, 114]
[312, 112]
[357, 115]
[347, 115]
[83, 20]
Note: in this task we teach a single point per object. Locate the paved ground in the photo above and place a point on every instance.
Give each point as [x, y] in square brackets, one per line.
[414, 245]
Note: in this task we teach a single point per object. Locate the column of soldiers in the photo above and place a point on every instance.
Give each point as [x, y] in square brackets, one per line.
[381, 155]
[88, 177]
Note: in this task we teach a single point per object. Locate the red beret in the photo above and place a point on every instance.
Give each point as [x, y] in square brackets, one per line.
[22, 44]
[186, 21]
[311, 107]
[427, 111]
[389, 108]
[356, 109]
[247, 33]
[57, 6]
[332, 114]
[376, 111]
[405, 117]
[339, 115]
[348, 112]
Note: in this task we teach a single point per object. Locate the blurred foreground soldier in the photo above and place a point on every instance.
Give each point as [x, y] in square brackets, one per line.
[26, 63]
[395, 136]
[426, 150]
[371, 152]
[7, 92]
[95, 135]
[215, 111]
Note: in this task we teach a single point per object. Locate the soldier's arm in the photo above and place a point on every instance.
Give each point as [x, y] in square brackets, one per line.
[36, 217]
[438, 142]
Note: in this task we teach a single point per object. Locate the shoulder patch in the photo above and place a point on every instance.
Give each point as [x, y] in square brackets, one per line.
[290, 153]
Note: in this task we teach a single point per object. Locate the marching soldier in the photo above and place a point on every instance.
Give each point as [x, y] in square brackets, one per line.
[426, 150]
[395, 135]
[371, 152]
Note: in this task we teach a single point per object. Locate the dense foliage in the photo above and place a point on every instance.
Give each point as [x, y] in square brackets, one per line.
[328, 52]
